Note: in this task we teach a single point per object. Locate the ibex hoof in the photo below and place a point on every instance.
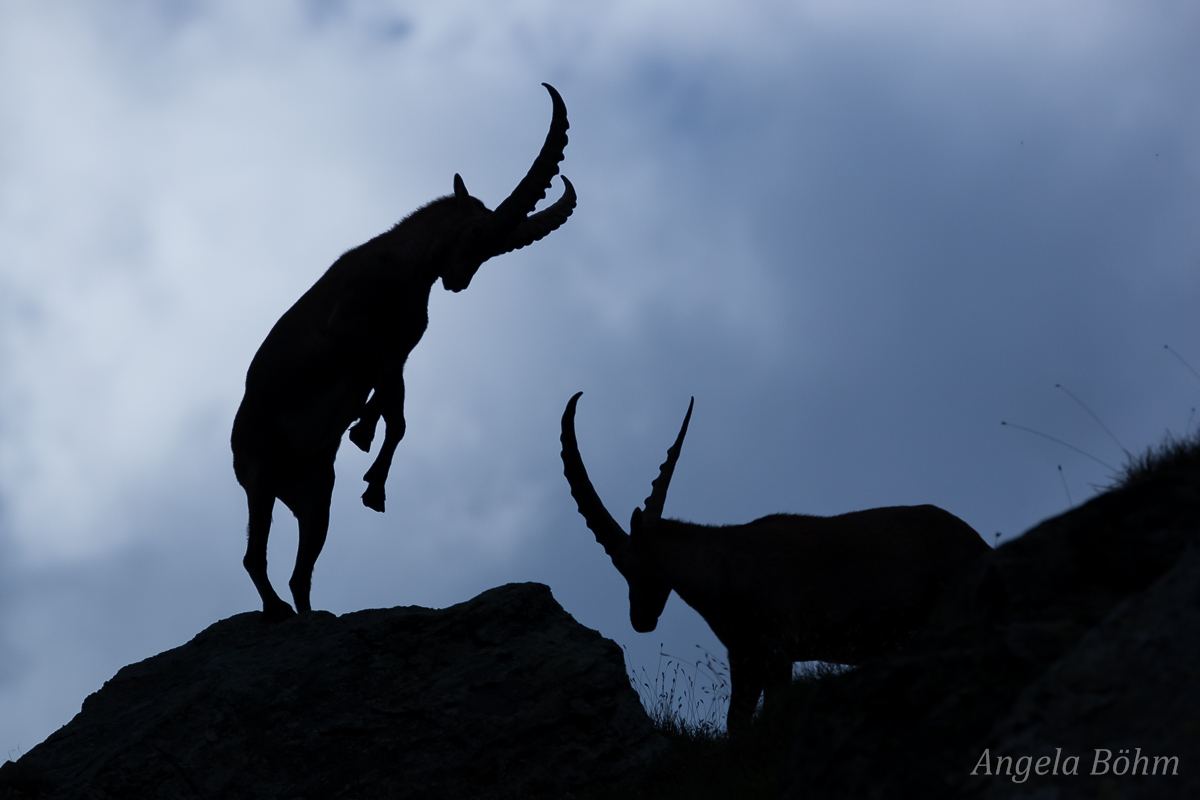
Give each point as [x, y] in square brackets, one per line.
[277, 612]
[373, 497]
[362, 435]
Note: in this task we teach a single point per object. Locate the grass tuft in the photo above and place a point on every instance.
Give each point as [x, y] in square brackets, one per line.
[1174, 454]
[688, 702]
[693, 702]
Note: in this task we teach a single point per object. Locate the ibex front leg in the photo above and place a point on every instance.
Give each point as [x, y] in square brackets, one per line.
[363, 432]
[389, 402]
[747, 678]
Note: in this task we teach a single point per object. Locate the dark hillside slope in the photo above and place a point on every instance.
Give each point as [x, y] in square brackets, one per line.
[1082, 635]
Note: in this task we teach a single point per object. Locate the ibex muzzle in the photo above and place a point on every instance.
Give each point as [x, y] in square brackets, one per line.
[347, 338]
[785, 587]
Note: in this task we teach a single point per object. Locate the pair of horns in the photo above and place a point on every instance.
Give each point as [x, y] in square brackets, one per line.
[513, 225]
[608, 533]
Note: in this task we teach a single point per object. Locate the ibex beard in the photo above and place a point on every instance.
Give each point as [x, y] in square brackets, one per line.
[785, 587]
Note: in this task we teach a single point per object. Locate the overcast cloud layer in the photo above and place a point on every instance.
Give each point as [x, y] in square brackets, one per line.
[861, 234]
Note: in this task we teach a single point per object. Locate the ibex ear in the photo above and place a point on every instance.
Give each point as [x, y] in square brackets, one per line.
[635, 522]
[460, 188]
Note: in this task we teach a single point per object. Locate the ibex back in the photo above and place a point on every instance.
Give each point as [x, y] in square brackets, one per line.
[347, 338]
[783, 588]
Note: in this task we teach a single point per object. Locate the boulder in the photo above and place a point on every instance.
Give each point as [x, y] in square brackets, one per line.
[503, 696]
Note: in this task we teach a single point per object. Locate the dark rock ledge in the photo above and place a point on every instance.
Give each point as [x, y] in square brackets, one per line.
[503, 696]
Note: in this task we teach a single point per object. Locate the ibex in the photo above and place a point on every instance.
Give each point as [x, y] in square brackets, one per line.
[347, 338]
[785, 587]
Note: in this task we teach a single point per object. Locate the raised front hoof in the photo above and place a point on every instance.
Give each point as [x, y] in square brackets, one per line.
[277, 612]
[373, 497]
[362, 435]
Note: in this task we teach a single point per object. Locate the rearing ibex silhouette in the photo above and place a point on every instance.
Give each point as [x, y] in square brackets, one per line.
[348, 336]
[785, 587]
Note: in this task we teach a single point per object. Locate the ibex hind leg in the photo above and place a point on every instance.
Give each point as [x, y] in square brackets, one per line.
[312, 514]
[261, 502]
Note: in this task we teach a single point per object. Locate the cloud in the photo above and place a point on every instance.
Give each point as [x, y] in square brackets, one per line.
[860, 234]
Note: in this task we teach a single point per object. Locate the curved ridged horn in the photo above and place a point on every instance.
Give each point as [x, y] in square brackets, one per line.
[608, 533]
[540, 224]
[533, 186]
[658, 487]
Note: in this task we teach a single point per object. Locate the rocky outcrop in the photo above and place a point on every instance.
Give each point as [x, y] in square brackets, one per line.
[504, 696]
[1081, 636]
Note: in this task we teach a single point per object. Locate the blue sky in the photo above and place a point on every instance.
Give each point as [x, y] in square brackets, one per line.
[860, 233]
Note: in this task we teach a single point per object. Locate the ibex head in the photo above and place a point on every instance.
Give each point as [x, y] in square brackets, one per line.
[633, 553]
[482, 234]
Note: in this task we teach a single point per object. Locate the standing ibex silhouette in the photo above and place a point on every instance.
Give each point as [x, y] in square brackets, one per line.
[785, 587]
[348, 336]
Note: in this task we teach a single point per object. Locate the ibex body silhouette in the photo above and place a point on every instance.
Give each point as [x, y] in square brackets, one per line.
[785, 587]
[347, 338]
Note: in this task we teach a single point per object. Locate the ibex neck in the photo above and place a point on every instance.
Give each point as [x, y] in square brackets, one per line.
[691, 558]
